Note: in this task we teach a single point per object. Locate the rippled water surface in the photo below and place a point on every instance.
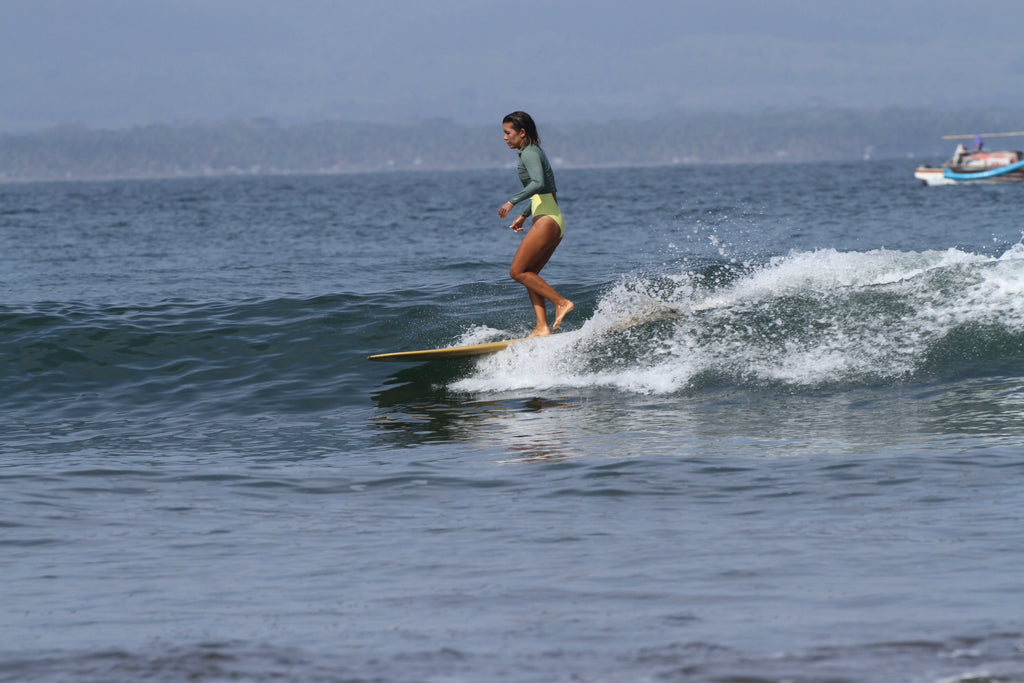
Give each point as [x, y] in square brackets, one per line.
[780, 439]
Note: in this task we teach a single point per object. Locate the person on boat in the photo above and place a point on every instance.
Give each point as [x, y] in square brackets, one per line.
[978, 143]
[548, 226]
[959, 154]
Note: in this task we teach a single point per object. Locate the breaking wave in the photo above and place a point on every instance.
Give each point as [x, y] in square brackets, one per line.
[809, 319]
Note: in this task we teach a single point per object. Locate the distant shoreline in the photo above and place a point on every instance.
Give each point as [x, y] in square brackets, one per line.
[258, 147]
[384, 171]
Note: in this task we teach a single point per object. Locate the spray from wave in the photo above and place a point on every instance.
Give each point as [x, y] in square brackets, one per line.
[808, 319]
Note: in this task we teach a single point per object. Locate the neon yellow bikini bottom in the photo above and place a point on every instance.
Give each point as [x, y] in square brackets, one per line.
[545, 205]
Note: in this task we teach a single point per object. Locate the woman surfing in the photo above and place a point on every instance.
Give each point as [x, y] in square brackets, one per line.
[548, 226]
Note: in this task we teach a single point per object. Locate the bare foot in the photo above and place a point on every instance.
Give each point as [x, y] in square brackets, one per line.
[560, 312]
[540, 332]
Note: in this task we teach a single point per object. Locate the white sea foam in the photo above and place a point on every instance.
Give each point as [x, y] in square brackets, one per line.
[806, 318]
[480, 334]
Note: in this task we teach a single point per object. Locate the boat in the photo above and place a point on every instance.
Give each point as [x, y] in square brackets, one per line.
[977, 166]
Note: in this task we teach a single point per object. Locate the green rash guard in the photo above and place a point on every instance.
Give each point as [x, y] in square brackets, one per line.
[535, 174]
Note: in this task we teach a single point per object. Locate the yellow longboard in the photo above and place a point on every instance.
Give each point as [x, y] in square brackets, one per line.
[443, 354]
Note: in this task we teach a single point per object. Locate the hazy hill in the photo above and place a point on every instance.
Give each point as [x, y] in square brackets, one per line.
[261, 147]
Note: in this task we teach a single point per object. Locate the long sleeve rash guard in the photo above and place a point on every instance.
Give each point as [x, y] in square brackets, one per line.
[535, 174]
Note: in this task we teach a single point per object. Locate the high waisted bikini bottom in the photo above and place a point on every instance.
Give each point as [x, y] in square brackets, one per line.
[545, 205]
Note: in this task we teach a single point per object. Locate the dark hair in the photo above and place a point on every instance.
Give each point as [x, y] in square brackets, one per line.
[520, 120]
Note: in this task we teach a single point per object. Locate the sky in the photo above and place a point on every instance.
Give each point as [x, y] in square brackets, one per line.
[121, 63]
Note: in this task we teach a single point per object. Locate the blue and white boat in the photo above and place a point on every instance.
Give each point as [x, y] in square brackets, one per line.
[977, 166]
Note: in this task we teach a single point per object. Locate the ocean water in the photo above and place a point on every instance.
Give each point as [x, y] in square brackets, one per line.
[781, 437]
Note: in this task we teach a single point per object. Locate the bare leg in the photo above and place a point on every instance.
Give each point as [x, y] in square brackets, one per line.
[533, 253]
[539, 311]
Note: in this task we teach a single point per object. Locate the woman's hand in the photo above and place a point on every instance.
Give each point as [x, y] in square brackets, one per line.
[505, 208]
[517, 224]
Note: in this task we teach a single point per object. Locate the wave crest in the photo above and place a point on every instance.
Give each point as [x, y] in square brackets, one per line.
[806, 319]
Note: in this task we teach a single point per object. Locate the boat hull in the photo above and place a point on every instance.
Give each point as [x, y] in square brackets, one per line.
[936, 175]
[932, 175]
[975, 167]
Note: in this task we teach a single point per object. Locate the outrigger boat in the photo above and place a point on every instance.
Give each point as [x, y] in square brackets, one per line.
[975, 166]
